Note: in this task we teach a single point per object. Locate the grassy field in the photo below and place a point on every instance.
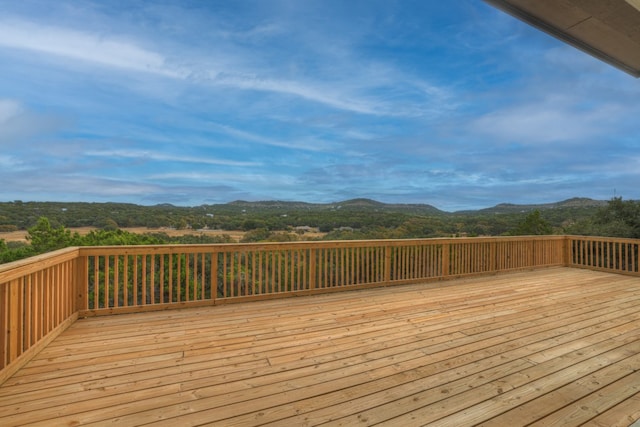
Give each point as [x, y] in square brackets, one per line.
[20, 235]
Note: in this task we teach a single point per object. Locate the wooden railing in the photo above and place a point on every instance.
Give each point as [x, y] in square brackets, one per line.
[123, 279]
[41, 296]
[36, 304]
[604, 254]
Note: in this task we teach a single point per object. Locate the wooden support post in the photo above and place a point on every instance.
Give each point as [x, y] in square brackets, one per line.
[80, 284]
[493, 257]
[4, 325]
[387, 263]
[312, 268]
[446, 257]
[566, 251]
[532, 253]
[214, 277]
[14, 328]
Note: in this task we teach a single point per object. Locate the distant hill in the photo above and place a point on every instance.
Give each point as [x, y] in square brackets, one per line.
[278, 215]
[574, 203]
[415, 209]
[360, 205]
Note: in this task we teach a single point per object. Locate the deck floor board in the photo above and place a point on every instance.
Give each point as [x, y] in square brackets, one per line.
[547, 346]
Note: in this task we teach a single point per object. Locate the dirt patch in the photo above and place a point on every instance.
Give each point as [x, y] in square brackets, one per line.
[13, 236]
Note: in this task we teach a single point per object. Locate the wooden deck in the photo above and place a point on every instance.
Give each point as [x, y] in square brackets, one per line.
[554, 346]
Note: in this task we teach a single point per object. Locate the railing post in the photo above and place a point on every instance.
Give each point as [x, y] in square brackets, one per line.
[387, 263]
[446, 256]
[14, 328]
[493, 256]
[80, 283]
[5, 309]
[566, 251]
[532, 253]
[312, 268]
[4, 320]
[214, 277]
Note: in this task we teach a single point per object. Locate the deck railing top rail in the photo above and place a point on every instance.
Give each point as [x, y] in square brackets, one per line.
[20, 268]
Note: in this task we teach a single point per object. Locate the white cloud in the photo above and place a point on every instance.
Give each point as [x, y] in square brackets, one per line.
[111, 51]
[234, 66]
[158, 156]
[8, 162]
[94, 48]
[9, 109]
[18, 124]
[252, 137]
[246, 178]
[311, 91]
[545, 122]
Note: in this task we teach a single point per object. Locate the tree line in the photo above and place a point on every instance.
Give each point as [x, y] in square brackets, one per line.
[356, 214]
[276, 221]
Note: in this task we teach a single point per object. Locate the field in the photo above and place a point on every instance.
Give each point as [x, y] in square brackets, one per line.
[20, 235]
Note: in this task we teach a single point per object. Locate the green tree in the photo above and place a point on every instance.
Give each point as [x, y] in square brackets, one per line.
[117, 237]
[181, 224]
[253, 224]
[45, 238]
[533, 225]
[620, 218]
[8, 254]
[109, 225]
[283, 237]
[256, 235]
[325, 227]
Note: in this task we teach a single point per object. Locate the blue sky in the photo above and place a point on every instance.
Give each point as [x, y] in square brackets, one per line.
[453, 104]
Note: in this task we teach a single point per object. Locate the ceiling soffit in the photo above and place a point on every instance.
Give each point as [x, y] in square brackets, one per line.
[606, 29]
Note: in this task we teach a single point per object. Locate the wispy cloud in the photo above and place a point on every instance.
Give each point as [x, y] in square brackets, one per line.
[78, 45]
[117, 52]
[18, 124]
[152, 155]
[323, 94]
[9, 109]
[245, 178]
[543, 123]
[230, 70]
[250, 137]
[10, 163]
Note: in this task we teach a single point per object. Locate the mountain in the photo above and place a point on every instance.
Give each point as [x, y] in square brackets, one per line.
[275, 214]
[360, 205]
[578, 203]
